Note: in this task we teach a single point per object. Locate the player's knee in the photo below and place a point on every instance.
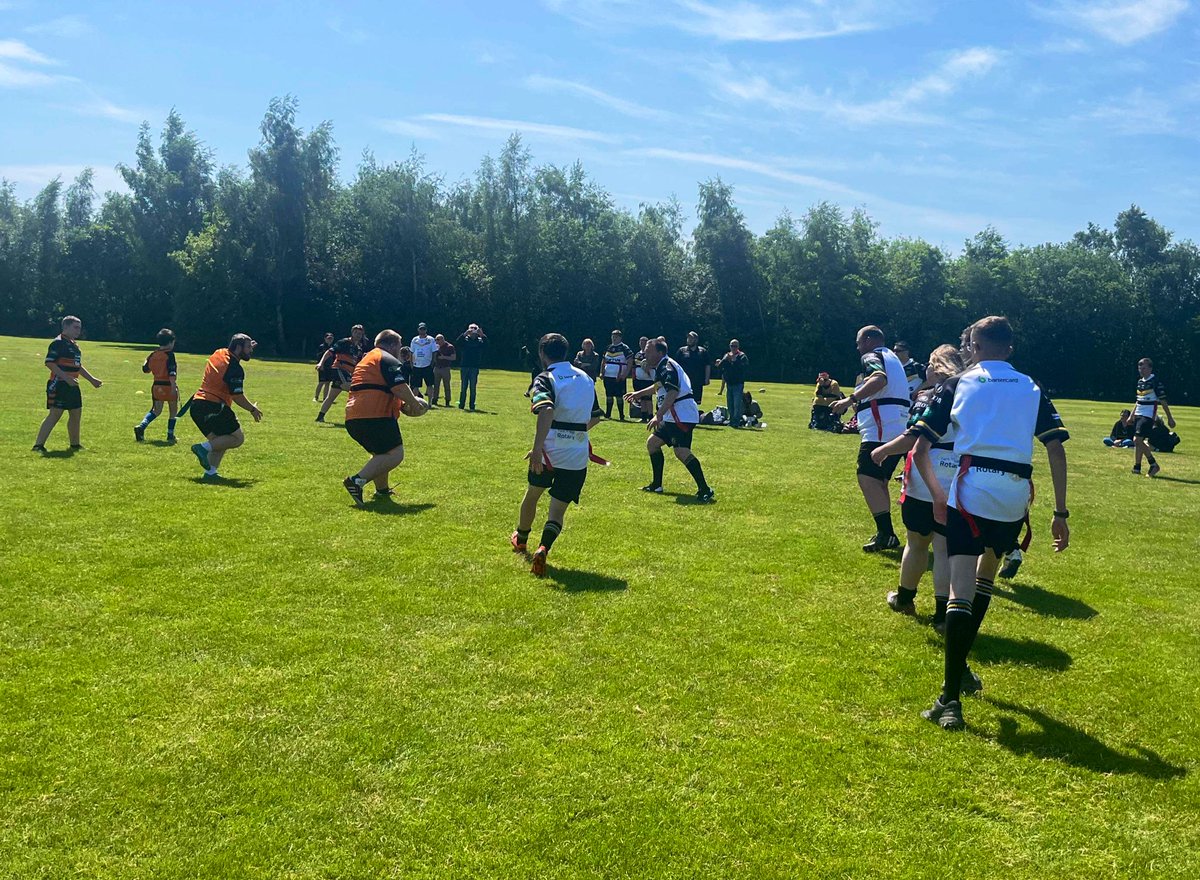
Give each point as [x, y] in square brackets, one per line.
[683, 455]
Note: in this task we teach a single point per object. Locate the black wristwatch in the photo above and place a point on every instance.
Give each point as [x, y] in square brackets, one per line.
[1062, 514]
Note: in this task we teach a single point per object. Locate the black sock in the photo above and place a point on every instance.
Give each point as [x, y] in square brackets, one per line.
[522, 535]
[1150, 458]
[939, 610]
[883, 523]
[983, 598]
[958, 643]
[906, 595]
[549, 533]
[657, 460]
[608, 408]
[697, 472]
[621, 407]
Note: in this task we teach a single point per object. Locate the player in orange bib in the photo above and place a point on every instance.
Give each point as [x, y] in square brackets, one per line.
[212, 406]
[161, 365]
[379, 392]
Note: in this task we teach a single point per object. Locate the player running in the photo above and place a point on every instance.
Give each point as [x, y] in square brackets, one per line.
[881, 402]
[64, 360]
[161, 365]
[565, 403]
[996, 413]
[1151, 394]
[379, 392]
[674, 422]
[211, 407]
[342, 356]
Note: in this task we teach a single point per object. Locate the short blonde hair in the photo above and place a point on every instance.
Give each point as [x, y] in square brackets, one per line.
[946, 360]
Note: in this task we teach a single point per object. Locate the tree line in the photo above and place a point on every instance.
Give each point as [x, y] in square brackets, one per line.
[284, 249]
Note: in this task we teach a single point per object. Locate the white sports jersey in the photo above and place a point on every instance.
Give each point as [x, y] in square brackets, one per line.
[945, 460]
[883, 415]
[572, 394]
[423, 350]
[996, 412]
[671, 377]
[1150, 393]
[641, 371]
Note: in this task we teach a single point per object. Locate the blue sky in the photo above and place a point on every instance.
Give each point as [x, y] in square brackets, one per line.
[938, 117]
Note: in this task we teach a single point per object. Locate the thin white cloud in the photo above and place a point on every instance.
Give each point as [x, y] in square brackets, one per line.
[743, 21]
[407, 128]
[348, 32]
[487, 123]
[65, 27]
[1120, 21]
[903, 105]
[15, 50]
[628, 108]
[105, 109]
[31, 178]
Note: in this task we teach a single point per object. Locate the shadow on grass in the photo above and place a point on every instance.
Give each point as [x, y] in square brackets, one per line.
[224, 482]
[160, 443]
[60, 453]
[1046, 603]
[575, 581]
[1160, 477]
[1020, 652]
[385, 507]
[1036, 733]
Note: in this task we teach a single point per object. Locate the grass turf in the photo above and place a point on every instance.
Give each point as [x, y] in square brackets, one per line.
[257, 680]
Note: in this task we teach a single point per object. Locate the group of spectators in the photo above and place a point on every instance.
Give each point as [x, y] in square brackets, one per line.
[619, 363]
[426, 363]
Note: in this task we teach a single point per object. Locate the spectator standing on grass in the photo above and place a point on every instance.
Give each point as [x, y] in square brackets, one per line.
[470, 345]
[424, 347]
[588, 359]
[64, 360]
[734, 367]
[1151, 394]
[693, 357]
[443, 358]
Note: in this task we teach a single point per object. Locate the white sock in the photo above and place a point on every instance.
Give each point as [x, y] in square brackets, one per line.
[207, 446]
[211, 472]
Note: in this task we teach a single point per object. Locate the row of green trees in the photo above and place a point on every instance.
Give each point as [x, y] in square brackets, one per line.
[283, 249]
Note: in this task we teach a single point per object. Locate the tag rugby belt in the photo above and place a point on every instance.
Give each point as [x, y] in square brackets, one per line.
[1019, 469]
[883, 401]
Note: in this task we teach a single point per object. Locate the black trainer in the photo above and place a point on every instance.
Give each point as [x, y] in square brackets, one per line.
[947, 716]
[38, 447]
[355, 490]
[139, 433]
[320, 417]
[900, 606]
[652, 488]
[881, 542]
[1011, 566]
[706, 496]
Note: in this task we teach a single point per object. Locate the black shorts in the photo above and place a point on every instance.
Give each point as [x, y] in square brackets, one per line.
[675, 436]
[1001, 537]
[614, 387]
[213, 418]
[1142, 426]
[918, 517]
[62, 395]
[422, 376]
[563, 484]
[327, 374]
[377, 436]
[868, 468]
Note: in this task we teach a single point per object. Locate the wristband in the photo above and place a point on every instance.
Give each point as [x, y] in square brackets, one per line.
[1062, 514]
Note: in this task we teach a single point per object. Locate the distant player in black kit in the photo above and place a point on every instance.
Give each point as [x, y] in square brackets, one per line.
[674, 424]
[1151, 394]
[996, 413]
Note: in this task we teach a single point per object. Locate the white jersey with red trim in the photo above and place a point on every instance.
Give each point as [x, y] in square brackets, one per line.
[883, 415]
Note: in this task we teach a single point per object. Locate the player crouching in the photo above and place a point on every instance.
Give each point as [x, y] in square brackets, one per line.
[564, 400]
[379, 392]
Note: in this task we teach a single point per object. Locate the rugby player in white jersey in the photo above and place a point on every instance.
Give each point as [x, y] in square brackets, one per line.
[996, 413]
[881, 402]
[564, 400]
[1151, 394]
[675, 421]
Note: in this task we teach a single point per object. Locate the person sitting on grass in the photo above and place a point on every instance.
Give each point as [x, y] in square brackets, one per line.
[1121, 435]
[752, 413]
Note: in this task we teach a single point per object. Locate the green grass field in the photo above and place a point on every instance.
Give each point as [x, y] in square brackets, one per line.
[258, 680]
